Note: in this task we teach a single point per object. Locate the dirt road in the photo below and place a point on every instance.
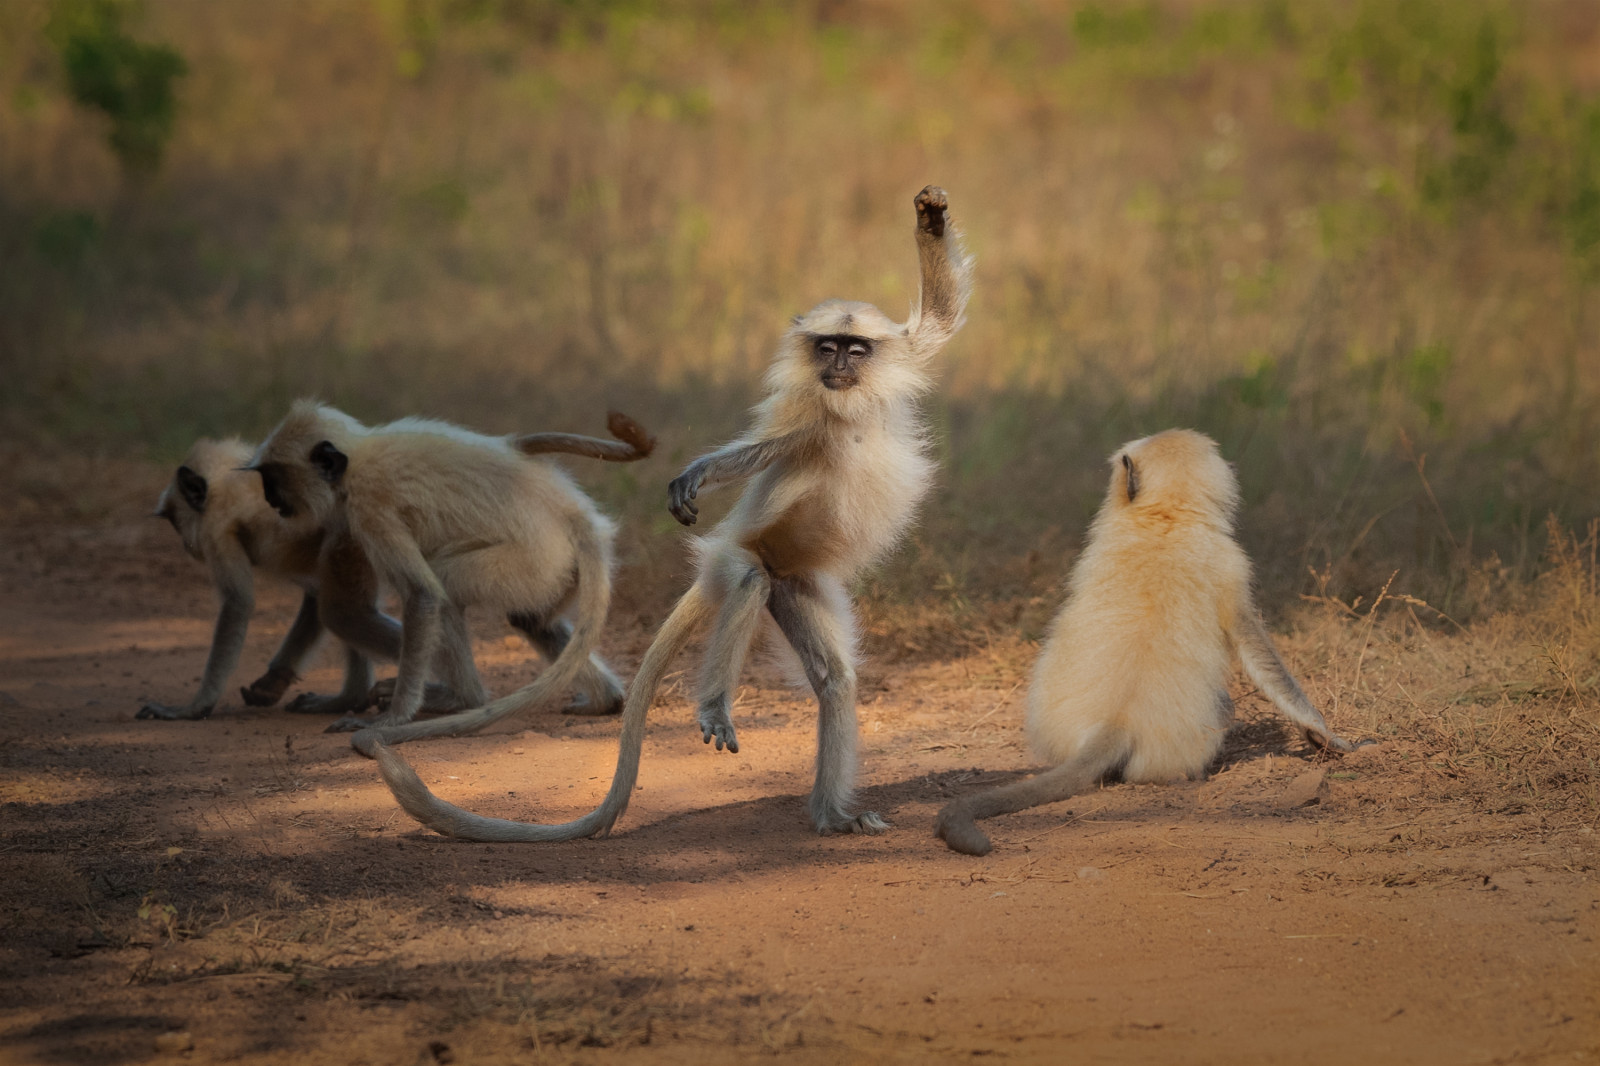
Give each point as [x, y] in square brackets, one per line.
[243, 889]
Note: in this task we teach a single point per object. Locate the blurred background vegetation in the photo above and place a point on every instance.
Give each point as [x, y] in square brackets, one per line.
[1358, 242]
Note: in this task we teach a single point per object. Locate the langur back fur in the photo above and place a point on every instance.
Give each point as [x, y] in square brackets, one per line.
[448, 519]
[836, 463]
[1132, 678]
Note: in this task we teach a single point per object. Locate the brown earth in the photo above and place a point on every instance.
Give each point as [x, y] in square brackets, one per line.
[246, 883]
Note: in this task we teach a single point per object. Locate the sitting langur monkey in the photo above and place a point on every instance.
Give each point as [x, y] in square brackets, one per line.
[448, 518]
[218, 510]
[837, 463]
[1132, 679]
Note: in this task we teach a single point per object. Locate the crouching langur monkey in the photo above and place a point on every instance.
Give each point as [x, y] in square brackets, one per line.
[448, 519]
[837, 462]
[218, 512]
[1132, 679]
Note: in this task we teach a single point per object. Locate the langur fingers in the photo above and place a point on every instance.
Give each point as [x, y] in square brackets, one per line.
[721, 731]
[680, 492]
[867, 823]
[1331, 741]
[932, 203]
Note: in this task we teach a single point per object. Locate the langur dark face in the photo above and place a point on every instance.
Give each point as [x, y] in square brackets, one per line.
[272, 488]
[841, 356]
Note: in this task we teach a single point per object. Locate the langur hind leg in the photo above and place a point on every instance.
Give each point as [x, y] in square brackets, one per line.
[747, 589]
[348, 700]
[459, 687]
[282, 671]
[420, 637]
[822, 639]
[453, 663]
[599, 690]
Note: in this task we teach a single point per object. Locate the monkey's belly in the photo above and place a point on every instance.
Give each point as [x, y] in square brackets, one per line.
[805, 537]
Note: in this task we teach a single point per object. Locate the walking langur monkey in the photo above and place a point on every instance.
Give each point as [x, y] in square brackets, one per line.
[219, 512]
[838, 462]
[448, 519]
[1132, 679]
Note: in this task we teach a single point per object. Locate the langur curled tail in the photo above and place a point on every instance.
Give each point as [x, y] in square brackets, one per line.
[635, 442]
[957, 825]
[450, 820]
[593, 600]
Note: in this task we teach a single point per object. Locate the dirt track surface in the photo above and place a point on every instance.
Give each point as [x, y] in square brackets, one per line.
[247, 881]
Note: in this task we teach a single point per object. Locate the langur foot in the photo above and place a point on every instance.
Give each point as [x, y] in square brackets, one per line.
[268, 689]
[586, 706]
[436, 698]
[312, 703]
[867, 823]
[716, 722]
[186, 713]
[960, 833]
[931, 203]
[354, 723]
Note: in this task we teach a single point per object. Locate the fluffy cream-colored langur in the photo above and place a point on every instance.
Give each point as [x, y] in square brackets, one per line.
[1132, 679]
[449, 519]
[837, 462]
[218, 512]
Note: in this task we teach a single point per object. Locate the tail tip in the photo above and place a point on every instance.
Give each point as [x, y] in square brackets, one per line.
[630, 432]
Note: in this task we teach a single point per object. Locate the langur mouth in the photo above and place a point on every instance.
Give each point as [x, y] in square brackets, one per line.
[840, 382]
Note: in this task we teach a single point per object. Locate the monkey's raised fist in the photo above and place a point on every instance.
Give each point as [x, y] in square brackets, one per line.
[931, 205]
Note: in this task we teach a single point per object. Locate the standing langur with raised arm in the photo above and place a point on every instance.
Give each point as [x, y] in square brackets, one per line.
[1132, 679]
[448, 518]
[837, 463]
[218, 511]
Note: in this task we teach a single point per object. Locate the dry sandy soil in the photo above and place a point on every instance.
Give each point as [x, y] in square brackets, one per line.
[243, 889]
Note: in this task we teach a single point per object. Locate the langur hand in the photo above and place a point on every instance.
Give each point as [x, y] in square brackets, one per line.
[682, 492]
[931, 203]
[269, 688]
[1331, 741]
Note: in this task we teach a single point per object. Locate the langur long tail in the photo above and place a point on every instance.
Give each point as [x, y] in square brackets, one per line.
[957, 824]
[633, 442]
[450, 820]
[593, 601]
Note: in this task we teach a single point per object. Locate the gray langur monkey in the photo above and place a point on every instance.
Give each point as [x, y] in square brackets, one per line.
[448, 519]
[1132, 679]
[218, 512]
[837, 463]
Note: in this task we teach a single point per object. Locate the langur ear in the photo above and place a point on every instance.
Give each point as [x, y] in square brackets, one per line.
[1133, 477]
[192, 487]
[329, 461]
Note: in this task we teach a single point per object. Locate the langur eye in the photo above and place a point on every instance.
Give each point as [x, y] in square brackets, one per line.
[828, 348]
[859, 349]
